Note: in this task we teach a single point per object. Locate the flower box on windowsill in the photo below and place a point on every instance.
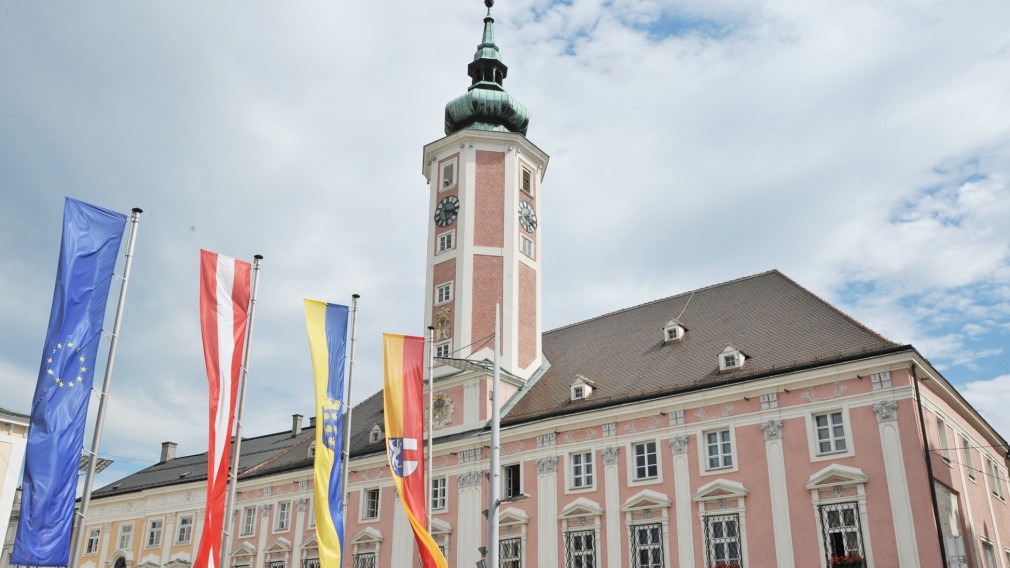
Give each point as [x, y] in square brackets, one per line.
[847, 561]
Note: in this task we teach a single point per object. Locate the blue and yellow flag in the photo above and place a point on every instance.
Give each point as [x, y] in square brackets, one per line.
[327, 326]
[88, 253]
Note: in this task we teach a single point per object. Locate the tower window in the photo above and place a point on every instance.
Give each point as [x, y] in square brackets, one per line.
[526, 246]
[443, 293]
[448, 174]
[446, 241]
[443, 350]
[526, 182]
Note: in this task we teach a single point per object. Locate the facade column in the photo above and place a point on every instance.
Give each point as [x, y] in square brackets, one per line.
[612, 500]
[897, 482]
[104, 550]
[261, 543]
[547, 511]
[197, 533]
[779, 493]
[296, 546]
[168, 536]
[468, 526]
[682, 495]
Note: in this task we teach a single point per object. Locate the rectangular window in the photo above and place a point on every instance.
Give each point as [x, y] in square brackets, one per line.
[185, 533]
[830, 433]
[445, 241]
[843, 539]
[310, 563]
[364, 560]
[646, 463]
[526, 246]
[968, 463]
[989, 553]
[527, 182]
[448, 174]
[769, 401]
[92, 546]
[722, 540]
[610, 429]
[443, 293]
[510, 553]
[438, 500]
[443, 349]
[719, 449]
[125, 537]
[248, 521]
[729, 361]
[582, 470]
[277, 564]
[941, 437]
[370, 505]
[647, 546]
[580, 547]
[512, 482]
[283, 520]
[154, 533]
[995, 479]
[881, 380]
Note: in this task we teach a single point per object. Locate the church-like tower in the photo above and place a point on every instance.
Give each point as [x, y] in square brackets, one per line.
[484, 223]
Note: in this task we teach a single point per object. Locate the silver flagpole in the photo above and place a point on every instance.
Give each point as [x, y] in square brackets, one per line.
[494, 483]
[431, 414]
[233, 476]
[89, 479]
[346, 403]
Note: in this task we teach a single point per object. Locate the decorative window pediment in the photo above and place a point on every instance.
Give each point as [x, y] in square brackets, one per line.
[731, 358]
[438, 526]
[836, 475]
[375, 434]
[673, 331]
[178, 563]
[280, 545]
[720, 489]
[581, 507]
[367, 535]
[513, 516]
[310, 542]
[646, 499]
[582, 387]
[245, 549]
[149, 562]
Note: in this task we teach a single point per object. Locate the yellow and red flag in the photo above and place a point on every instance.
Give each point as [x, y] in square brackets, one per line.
[404, 410]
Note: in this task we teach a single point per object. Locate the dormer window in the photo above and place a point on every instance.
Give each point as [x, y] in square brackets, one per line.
[375, 435]
[730, 358]
[672, 331]
[581, 388]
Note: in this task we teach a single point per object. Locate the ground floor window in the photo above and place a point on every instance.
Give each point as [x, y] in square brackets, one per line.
[510, 553]
[843, 541]
[310, 563]
[580, 549]
[365, 560]
[722, 541]
[647, 546]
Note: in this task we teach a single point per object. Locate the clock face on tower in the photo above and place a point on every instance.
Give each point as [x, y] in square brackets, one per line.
[446, 211]
[527, 217]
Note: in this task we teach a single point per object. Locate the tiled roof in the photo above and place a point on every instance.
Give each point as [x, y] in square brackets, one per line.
[774, 322]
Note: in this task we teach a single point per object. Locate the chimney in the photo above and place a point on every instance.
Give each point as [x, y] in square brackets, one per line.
[168, 451]
[296, 424]
[312, 421]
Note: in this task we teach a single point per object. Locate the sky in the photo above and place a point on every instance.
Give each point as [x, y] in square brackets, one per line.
[860, 147]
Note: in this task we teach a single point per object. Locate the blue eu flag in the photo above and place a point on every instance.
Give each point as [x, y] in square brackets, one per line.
[91, 239]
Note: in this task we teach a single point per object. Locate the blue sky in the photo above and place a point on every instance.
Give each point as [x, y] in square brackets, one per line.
[862, 148]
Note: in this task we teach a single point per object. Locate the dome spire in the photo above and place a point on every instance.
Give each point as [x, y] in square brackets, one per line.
[486, 105]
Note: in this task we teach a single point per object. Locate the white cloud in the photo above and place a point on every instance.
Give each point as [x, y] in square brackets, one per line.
[989, 398]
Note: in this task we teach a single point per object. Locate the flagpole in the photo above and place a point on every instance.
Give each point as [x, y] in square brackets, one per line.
[89, 478]
[233, 477]
[493, 485]
[431, 415]
[346, 401]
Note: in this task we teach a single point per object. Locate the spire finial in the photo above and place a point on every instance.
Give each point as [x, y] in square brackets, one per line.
[489, 3]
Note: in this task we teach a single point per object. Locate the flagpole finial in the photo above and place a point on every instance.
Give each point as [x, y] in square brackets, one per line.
[257, 257]
[138, 210]
[355, 296]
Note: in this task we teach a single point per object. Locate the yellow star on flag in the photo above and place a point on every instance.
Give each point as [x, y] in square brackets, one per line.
[81, 358]
[332, 440]
[84, 369]
[49, 371]
[59, 346]
[71, 383]
[49, 360]
[79, 379]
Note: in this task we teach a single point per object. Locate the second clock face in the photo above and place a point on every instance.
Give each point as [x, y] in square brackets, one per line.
[446, 211]
[527, 216]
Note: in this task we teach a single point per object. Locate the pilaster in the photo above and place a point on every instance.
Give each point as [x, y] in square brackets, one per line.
[547, 511]
[897, 482]
[779, 493]
[683, 503]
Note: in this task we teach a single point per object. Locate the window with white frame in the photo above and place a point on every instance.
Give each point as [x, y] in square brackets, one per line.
[995, 479]
[511, 481]
[277, 563]
[92, 545]
[185, 532]
[282, 521]
[843, 538]
[446, 241]
[310, 562]
[526, 246]
[510, 553]
[375, 434]
[449, 174]
[969, 464]
[989, 554]
[370, 504]
[646, 461]
[438, 494]
[610, 429]
[718, 449]
[154, 529]
[880, 380]
[248, 521]
[365, 560]
[722, 540]
[125, 540]
[580, 549]
[582, 470]
[647, 546]
[526, 181]
[443, 293]
[443, 349]
[941, 438]
[830, 429]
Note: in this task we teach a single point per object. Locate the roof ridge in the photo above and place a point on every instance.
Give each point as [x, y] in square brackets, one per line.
[838, 311]
[651, 302]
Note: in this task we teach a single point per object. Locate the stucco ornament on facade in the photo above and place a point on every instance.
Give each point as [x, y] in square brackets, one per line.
[886, 410]
[634, 426]
[772, 429]
[548, 464]
[837, 389]
[469, 479]
[678, 444]
[570, 437]
[610, 455]
[724, 410]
